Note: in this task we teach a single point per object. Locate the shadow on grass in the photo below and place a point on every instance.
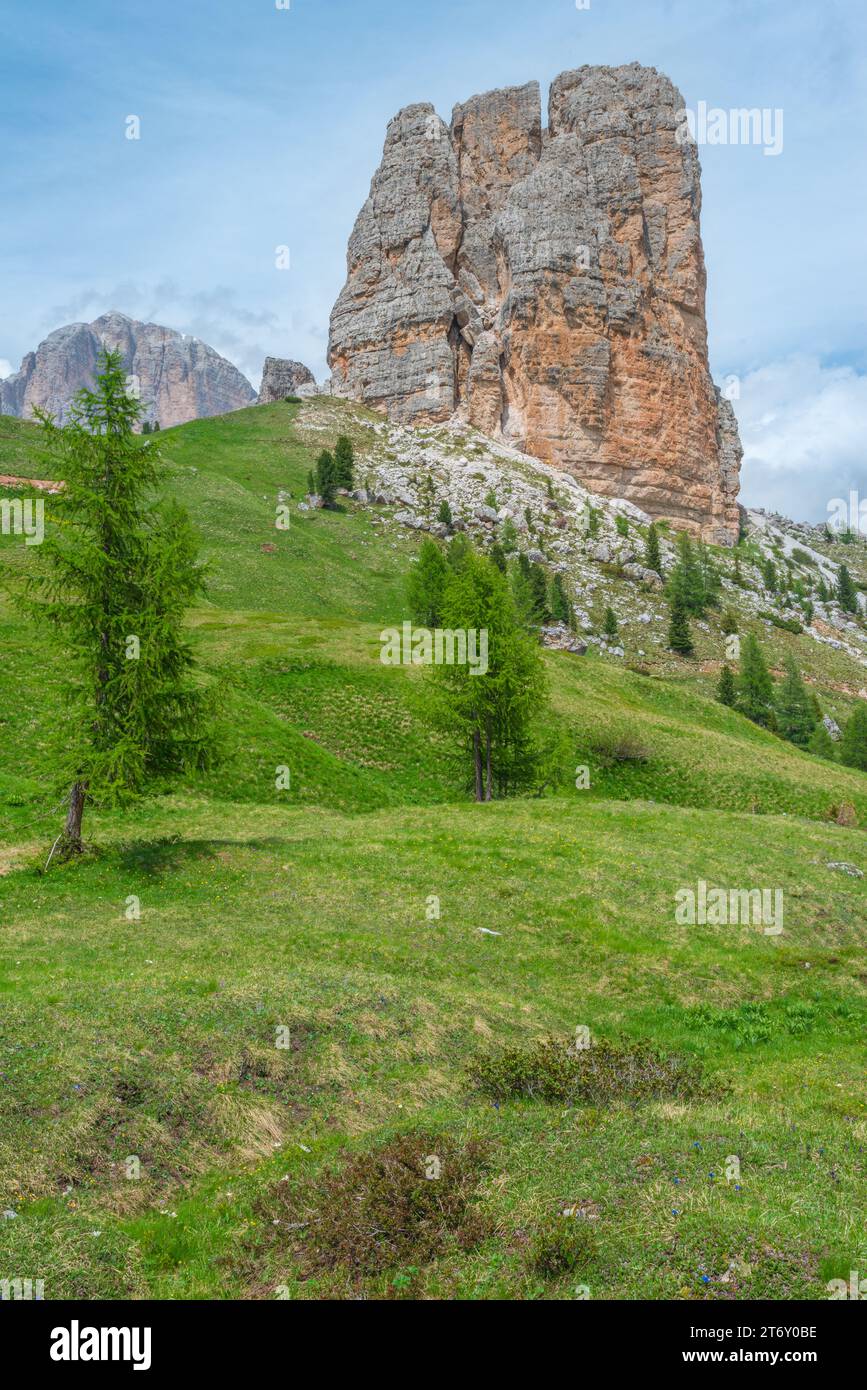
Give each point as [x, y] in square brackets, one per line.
[168, 854]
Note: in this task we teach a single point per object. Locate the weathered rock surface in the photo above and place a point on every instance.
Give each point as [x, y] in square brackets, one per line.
[179, 377]
[547, 286]
[281, 378]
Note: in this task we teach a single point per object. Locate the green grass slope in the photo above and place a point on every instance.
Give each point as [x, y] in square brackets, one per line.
[396, 932]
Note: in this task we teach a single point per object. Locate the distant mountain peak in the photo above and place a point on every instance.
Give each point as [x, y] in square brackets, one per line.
[180, 378]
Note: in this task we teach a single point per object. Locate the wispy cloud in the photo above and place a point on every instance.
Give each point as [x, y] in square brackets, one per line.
[803, 426]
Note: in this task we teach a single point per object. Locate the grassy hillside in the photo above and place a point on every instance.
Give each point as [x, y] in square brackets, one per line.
[314, 911]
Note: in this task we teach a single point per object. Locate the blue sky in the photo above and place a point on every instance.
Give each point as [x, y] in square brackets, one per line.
[262, 127]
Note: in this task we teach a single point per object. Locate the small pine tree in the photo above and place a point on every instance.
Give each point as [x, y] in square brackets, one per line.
[498, 555]
[686, 582]
[847, 595]
[737, 577]
[710, 580]
[146, 427]
[795, 718]
[609, 625]
[853, 745]
[592, 522]
[344, 462]
[491, 500]
[311, 483]
[558, 601]
[509, 536]
[755, 687]
[539, 586]
[326, 478]
[458, 549]
[769, 574]
[156, 426]
[821, 743]
[822, 591]
[679, 635]
[653, 554]
[622, 525]
[426, 584]
[444, 515]
[726, 691]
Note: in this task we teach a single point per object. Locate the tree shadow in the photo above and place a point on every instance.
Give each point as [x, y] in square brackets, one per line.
[167, 855]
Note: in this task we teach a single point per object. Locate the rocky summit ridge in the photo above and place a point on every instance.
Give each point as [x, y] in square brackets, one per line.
[546, 285]
[178, 377]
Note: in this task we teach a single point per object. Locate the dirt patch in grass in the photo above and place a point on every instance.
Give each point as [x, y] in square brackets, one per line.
[404, 1202]
[555, 1070]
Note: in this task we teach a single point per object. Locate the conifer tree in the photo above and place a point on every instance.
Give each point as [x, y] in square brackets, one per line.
[686, 583]
[755, 687]
[509, 536]
[498, 555]
[344, 463]
[444, 515]
[726, 692]
[116, 573]
[609, 625]
[821, 743]
[539, 587]
[795, 718]
[426, 584]
[491, 714]
[558, 603]
[853, 745]
[679, 635]
[326, 477]
[653, 554]
[847, 595]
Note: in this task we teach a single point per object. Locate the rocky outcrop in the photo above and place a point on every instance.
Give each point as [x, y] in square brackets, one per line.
[178, 377]
[548, 286]
[282, 378]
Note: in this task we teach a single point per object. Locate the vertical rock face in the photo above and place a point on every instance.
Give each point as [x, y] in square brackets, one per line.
[548, 285]
[281, 378]
[179, 377]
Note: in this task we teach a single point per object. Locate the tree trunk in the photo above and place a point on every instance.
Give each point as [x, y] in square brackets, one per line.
[477, 761]
[488, 789]
[72, 829]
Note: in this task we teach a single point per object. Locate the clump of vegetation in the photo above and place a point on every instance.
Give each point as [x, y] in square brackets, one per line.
[785, 624]
[556, 1070]
[622, 525]
[403, 1202]
[561, 1244]
[611, 748]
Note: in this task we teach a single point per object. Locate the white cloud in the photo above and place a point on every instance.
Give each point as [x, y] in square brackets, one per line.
[804, 431]
[5, 368]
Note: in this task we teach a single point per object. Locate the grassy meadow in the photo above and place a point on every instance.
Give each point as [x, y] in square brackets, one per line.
[236, 1031]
